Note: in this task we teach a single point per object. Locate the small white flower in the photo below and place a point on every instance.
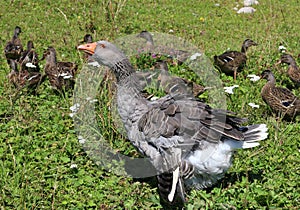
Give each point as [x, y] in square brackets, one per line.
[246, 10]
[81, 140]
[217, 5]
[73, 165]
[235, 8]
[171, 31]
[93, 101]
[253, 105]
[75, 107]
[250, 2]
[89, 99]
[30, 65]
[94, 63]
[229, 90]
[194, 57]
[71, 115]
[253, 77]
[282, 48]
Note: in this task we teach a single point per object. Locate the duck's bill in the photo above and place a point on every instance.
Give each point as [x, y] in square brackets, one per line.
[88, 48]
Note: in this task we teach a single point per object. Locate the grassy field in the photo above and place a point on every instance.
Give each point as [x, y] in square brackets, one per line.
[43, 166]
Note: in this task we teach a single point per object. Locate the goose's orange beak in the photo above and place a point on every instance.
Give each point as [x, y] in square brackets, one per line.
[88, 48]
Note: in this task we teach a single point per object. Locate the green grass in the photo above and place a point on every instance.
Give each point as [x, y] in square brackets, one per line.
[38, 140]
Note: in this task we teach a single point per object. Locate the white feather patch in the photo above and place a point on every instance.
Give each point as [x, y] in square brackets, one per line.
[174, 184]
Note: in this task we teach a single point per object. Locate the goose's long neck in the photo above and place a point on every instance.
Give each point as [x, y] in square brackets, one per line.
[131, 103]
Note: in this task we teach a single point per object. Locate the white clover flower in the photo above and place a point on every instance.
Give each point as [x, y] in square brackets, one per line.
[93, 101]
[194, 56]
[94, 63]
[171, 31]
[253, 77]
[229, 90]
[30, 65]
[217, 5]
[81, 140]
[246, 10]
[282, 48]
[75, 107]
[250, 2]
[253, 105]
[72, 115]
[89, 99]
[73, 165]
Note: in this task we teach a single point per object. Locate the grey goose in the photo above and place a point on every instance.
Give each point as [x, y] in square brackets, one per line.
[189, 143]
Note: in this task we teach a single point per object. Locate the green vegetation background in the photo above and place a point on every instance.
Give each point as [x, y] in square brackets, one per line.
[38, 143]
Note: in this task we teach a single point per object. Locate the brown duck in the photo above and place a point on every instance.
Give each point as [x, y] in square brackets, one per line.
[29, 60]
[21, 79]
[180, 55]
[61, 74]
[174, 84]
[230, 62]
[293, 70]
[281, 100]
[14, 48]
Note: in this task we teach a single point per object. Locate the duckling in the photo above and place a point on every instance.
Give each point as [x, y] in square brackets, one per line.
[293, 70]
[179, 55]
[176, 84]
[14, 48]
[61, 74]
[21, 79]
[29, 60]
[281, 100]
[232, 61]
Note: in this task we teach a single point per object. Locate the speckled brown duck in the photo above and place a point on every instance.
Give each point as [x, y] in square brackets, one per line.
[179, 55]
[281, 100]
[293, 70]
[230, 62]
[176, 84]
[29, 60]
[23, 78]
[14, 48]
[61, 74]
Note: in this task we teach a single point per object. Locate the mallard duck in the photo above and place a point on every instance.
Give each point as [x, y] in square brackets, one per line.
[29, 60]
[176, 84]
[61, 74]
[188, 143]
[179, 55]
[281, 100]
[293, 70]
[21, 79]
[14, 48]
[232, 61]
